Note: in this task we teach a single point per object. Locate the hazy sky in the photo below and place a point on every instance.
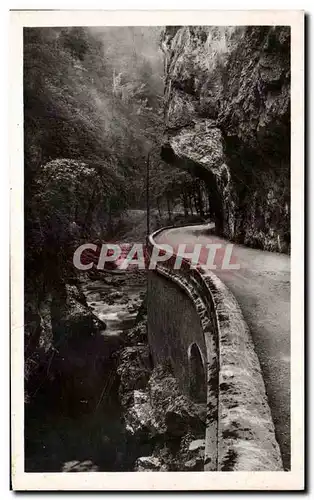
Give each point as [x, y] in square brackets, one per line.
[124, 44]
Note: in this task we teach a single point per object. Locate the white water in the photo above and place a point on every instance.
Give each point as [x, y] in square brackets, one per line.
[116, 303]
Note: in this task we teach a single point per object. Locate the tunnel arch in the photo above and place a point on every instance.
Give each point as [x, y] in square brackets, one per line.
[205, 174]
[197, 374]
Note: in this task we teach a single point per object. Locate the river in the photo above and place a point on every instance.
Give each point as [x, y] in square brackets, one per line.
[87, 433]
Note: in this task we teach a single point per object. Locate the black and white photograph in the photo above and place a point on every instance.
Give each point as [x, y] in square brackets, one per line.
[155, 252]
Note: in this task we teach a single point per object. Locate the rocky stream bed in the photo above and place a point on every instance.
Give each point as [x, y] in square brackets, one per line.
[104, 406]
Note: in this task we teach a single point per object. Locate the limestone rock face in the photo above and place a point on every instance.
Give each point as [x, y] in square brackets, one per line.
[71, 317]
[140, 417]
[176, 413]
[160, 409]
[197, 444]
[227, 115]
[61, 332]
[166, 428]
[149, 464]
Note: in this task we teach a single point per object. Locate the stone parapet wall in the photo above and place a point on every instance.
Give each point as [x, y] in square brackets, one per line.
[240, 434]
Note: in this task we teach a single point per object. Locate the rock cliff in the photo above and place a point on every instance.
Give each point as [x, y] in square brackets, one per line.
[165, 430]
[227, 116]
[64, 345]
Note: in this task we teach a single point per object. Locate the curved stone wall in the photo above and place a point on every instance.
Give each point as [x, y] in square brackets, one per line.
[189, 306]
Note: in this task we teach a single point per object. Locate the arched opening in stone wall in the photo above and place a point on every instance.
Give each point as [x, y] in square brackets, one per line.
[197, 170]
[196, 374]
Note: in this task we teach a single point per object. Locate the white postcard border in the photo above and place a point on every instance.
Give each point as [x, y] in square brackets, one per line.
[136, 481]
